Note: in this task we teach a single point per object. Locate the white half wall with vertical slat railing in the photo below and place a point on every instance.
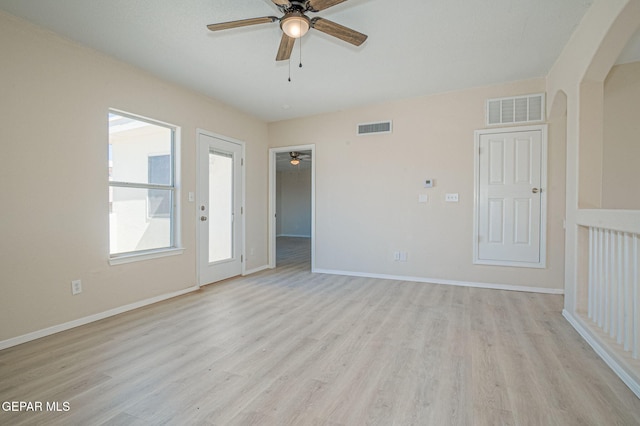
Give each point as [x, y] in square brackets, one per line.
[613, 285]
[609, 315]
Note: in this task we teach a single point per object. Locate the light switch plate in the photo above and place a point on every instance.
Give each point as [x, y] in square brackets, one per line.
[451, 198]
[76, 287]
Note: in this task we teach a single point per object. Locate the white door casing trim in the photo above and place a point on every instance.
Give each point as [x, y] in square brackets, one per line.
[542, 128]
[272, 200]
[198, 198]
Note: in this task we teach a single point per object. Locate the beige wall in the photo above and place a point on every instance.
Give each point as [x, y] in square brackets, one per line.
[367, 189]
[621, 148]
[54, 227]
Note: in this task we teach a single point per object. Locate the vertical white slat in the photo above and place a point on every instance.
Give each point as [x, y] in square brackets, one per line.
[596, 275]
[620, 282]
[600, 282]
[613, 284]
[607, 280]
[628, 293]
[592, 257]
[606, 284]
[635, 284]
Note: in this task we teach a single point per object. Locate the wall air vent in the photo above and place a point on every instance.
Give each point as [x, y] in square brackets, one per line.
[518, 109]
[374, 128]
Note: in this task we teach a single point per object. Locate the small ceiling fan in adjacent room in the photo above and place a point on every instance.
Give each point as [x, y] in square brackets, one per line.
[295, 24]
[297, 157]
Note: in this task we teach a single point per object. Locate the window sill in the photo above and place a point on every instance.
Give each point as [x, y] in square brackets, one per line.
[137, 257]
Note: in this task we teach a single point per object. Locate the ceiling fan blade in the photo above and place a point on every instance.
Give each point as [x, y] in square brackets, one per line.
[241, 23]
[286, 47]
[282, 2]
[339, 31]
[318, 5]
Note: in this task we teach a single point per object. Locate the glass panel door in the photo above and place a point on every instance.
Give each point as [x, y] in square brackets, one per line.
[220, 229]
[220, 206]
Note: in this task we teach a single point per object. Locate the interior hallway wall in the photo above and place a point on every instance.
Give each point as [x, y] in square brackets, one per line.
[621, 148]
[293, 202]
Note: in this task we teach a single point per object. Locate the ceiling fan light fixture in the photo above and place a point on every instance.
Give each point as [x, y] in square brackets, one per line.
[294, 161]
[295, 24]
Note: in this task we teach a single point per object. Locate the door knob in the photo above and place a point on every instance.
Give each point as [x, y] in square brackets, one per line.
[203, 218]
[536, 190]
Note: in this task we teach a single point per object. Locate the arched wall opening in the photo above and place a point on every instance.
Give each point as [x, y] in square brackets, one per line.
[594, 113]
[599, 234]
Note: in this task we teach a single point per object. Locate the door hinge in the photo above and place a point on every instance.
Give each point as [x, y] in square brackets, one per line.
[241, 258]
[242, 161]
[241, 210]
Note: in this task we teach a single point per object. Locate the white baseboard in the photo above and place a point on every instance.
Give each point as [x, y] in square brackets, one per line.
[254, 270]
[609, 357]
[444, 282]
[14, 341]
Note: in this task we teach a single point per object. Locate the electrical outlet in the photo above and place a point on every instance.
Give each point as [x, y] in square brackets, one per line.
[451, 198]
[399, 256]
[76, 287]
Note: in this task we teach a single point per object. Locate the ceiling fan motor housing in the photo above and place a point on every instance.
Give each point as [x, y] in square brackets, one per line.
[295, 24]
[295, 5]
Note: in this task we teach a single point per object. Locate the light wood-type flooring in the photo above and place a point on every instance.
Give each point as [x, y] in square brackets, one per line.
[287, 347]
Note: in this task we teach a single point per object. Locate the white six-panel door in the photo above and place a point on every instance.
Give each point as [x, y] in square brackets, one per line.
[510, 194]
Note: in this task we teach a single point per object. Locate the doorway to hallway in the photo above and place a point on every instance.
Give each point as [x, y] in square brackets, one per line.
[291, 204]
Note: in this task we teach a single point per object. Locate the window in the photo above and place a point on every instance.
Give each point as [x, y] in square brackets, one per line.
[159, 204]
[142, 189]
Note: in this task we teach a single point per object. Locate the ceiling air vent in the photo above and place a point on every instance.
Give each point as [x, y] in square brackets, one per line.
[374, 128]
[518, 109]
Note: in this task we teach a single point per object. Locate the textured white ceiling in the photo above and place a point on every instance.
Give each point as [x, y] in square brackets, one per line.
[415, 47]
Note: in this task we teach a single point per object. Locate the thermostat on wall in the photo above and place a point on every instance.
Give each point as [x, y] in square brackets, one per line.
[428, 183]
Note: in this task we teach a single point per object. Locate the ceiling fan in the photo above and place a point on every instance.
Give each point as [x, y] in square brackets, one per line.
[295, 24]
[296, 157]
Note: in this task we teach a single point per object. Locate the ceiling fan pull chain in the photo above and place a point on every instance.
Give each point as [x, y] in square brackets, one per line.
[300, 42]
[289, 70]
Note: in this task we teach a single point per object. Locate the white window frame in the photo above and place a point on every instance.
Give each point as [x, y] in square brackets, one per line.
[171, 156]
[176, 247]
